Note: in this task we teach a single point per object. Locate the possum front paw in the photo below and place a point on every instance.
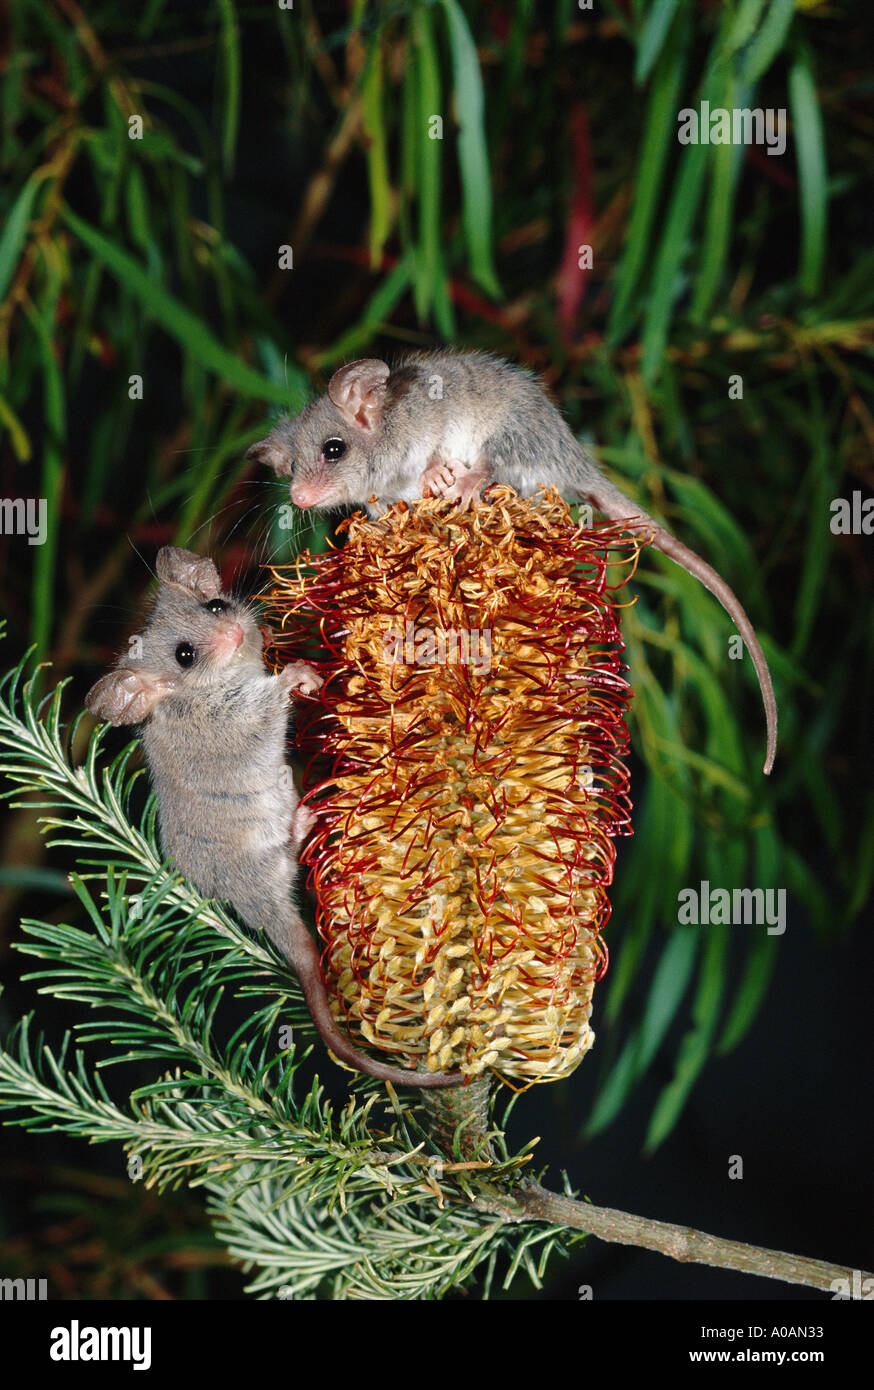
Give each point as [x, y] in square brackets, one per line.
[454, 481]
[300, 679]
[437, 477]
[302, 823]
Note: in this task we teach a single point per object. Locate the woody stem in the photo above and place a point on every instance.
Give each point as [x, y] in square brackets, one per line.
[531, 1202]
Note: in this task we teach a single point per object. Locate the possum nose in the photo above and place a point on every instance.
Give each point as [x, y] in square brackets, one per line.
[229, 638]
[303, 496]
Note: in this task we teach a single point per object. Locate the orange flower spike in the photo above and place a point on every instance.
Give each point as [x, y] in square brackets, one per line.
[472, 719]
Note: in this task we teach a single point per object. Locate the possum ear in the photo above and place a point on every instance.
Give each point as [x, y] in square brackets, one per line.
[358, 392]
[126, 696]
[188, 573]
[274, 453]
[613, 503]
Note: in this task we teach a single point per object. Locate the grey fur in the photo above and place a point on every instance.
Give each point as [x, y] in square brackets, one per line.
[214, 735]
[450, 423]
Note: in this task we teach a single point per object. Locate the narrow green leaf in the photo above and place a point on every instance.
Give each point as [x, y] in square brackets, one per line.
[745, 23]
[175, 319]
[757, 974]
[669, 985]
[695, 1047]
[812, 175]
[768, 42]
[54, 416]
[230, 57]
[373, 117]
[617, 1087]
[18, 436]
[726, 163]
[819, 543]
[429, 262]
[473, 156]
[673, 250]
[652, 38]
[13, 235]
[659, 126]
[863, 870]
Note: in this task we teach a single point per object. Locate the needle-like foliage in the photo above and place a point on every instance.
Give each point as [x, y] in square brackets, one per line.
[309, 1197]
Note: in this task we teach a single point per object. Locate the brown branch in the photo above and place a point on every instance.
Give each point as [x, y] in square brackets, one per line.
[531, 1202]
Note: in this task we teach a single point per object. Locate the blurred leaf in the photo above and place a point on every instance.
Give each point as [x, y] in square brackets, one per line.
[179, 322]
[726, 161]
[747, 16]
[696, 1045]
[54, 414]
[658, 128]
[652, 37]
[230, 54]
[758, 970]
[472, 149]
[669, 984]
[769, 41]
[13, 235]
[373, 117]
[812, 177]
[673, 250]
[377, 312]
[429, 260]
[18, 435]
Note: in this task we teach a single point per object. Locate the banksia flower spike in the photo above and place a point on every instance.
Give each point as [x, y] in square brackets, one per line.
[472, 717]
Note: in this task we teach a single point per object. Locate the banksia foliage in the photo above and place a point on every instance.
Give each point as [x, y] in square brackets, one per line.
[472, 716]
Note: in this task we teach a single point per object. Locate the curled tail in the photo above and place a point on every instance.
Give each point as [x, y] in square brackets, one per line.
[303, 955]
[618, 507]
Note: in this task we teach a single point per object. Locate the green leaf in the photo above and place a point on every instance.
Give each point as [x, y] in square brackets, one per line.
[812, 175]
[768, 42]
[745, 23]
[15, 231]
[43, 320]
[376, 314]
[472, 149]
[758, 970]
[373, 119]
[674, 248]
[659, 127]
[669, 985]
[726, 167]
[652, 38]
[429, 268]
[179, 322]
[696, 1045]
[230, 56]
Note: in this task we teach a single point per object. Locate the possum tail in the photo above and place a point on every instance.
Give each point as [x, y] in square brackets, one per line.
[618, 507]
[303, 955]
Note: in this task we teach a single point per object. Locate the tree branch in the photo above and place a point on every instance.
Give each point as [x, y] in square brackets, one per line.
[531, 1202]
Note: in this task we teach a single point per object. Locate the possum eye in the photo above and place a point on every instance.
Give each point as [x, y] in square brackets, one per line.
[333, 449]
[215, 605]
[185, 654]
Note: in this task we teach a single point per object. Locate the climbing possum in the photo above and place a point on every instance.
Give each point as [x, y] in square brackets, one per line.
[447, 424]
[214, 734]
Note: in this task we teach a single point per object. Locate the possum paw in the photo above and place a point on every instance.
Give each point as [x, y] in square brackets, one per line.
[302, 823]
[456, 482]
[300, 679]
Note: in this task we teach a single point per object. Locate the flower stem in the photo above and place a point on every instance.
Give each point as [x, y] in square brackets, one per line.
[466, 1105]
